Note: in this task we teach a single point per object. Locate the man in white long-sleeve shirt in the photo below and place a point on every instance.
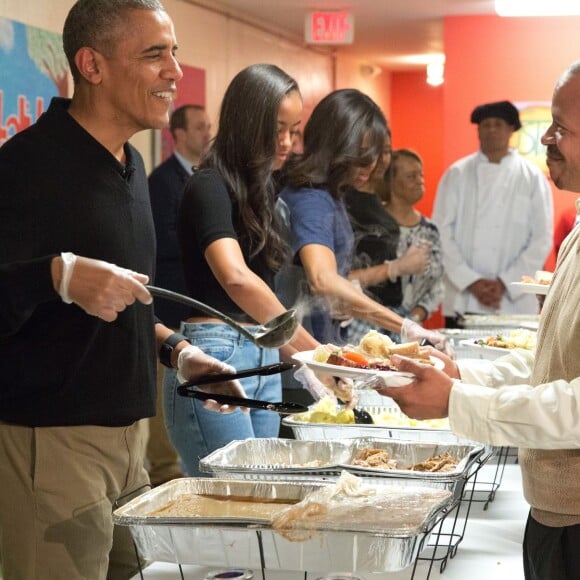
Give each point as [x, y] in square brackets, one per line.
[525, 401]
[494, 212]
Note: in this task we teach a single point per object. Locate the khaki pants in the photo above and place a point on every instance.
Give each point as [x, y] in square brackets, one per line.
[163, 460]
[58, 486]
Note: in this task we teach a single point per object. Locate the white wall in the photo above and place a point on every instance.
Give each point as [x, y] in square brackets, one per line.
[223, 46]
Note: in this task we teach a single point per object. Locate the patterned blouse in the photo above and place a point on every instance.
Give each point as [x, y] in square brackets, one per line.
[426, 289]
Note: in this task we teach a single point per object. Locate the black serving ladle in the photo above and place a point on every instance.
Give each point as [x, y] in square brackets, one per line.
[361, 417]
[272, 334]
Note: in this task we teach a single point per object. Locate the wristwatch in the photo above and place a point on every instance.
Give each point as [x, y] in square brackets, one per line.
[167, 348]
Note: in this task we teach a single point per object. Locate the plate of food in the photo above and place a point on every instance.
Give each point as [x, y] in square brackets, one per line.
[370, 358]
[532, 288]
[539, 284]
[494, 346]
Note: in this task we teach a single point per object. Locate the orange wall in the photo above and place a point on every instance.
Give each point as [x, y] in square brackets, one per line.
[416, 121]
[489, 58]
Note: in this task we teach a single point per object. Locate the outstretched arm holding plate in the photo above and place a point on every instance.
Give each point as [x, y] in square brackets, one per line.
[493, 401]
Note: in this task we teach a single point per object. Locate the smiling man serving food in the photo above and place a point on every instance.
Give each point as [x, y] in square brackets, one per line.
[78, 335]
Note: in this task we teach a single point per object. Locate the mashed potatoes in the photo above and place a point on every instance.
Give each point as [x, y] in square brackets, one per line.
[327, 411]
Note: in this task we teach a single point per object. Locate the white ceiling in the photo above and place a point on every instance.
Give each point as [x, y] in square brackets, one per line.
[388, 33]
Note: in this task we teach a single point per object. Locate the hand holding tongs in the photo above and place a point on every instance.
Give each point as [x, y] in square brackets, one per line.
[284, 408]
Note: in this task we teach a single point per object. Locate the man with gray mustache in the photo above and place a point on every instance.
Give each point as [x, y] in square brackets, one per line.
[531, 402]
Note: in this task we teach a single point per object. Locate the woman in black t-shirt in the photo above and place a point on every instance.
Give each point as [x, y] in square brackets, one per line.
[232, 248]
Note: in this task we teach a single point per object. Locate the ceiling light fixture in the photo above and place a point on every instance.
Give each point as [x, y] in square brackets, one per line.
[537, 7]
[436, 71]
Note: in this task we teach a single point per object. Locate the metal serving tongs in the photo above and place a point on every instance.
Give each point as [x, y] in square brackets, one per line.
[284, 408]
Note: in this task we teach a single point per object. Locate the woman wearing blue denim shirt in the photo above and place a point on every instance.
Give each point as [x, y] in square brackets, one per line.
[343, 140]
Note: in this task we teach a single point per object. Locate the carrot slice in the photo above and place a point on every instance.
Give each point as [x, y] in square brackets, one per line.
[357, 358]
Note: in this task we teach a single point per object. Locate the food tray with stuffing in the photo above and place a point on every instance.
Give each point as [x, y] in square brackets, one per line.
[394, 462]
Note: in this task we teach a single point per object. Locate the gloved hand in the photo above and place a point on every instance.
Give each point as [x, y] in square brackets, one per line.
[99, 288]
[193, 363]
[411, 331]
[312, 383]
[320, 386]
[414, 261]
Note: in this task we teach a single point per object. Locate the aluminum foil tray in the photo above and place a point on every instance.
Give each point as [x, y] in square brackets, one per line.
[529, 321]
[325, 431]
[188, 540]
[271, 459]
[140, 509]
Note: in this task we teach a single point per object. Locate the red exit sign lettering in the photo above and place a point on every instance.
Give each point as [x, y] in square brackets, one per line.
[329, 28]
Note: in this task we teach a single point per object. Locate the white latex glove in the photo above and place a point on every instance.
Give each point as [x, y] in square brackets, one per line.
[320, 386]
[312, 383]
[193, 363]
[100, 288]
[414, 261]
[411, 331]
[343, 390]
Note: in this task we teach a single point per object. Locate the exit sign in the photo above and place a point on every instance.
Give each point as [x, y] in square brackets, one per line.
[329, 28]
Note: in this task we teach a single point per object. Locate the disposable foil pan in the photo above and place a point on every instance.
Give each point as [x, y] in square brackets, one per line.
[529, 321]
[325, 431]
[190, 540]
[275, 459]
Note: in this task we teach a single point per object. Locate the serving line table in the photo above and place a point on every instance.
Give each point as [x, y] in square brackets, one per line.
[491, 547]
[485, 489]
[449, 533]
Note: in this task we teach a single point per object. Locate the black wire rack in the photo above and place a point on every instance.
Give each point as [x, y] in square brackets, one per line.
[440, 544]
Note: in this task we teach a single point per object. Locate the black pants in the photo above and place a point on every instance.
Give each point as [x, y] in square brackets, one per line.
[551, 553]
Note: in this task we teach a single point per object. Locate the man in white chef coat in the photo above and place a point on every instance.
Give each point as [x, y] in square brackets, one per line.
[494, 212]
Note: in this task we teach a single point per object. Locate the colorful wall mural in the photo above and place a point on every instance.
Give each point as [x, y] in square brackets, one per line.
[33, 69]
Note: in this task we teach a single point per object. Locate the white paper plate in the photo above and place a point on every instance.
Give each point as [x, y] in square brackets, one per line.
[483, 351]
[472, 342]
[530, 288]
[389, 378]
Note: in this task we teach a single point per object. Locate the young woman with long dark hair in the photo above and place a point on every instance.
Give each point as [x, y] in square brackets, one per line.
[231, 249]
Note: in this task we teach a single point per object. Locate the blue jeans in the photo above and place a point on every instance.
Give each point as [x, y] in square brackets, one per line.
[196, 432]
